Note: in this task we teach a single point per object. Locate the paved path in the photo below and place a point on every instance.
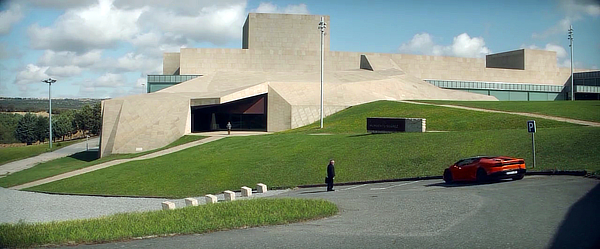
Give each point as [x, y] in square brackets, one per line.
[15, 166]
[212, 136]
[115, 162]
[568, 120]
[18, 206]
[536, 212]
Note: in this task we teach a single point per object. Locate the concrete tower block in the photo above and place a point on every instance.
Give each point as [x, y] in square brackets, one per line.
[191, 202]
[261, 188]
[246, 191]
[229, 195]
[210, 199]
[167, 205]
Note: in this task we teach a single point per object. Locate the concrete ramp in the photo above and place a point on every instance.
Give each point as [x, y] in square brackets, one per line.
[377, 63]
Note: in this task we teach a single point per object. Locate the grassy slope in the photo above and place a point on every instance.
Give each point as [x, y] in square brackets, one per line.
[74, 162]
[582, 110]
[297, 158]
[200, 219]
[354, 119]
[10, 154]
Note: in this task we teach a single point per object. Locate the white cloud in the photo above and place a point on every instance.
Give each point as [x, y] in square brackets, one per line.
[62, 4]
[109, 80]
[83, 29]
[465, 46]
[9, 17]
[462, 46]
[65, 71]
[139, 62]
[560, 51]
[67, 58]
[214, 24]
[267, 7]
[31, 74]
[574, 10]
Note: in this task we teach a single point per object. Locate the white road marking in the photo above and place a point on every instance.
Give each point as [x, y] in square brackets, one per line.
[393, 186]
[353, 187]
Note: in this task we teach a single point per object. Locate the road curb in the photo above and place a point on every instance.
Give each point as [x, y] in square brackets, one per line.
[544, 172]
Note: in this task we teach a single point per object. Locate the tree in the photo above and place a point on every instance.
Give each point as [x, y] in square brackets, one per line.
[26, 127]
[41, 128]
[62, 125]
[97, 118]
[88, 119]
[8, 125]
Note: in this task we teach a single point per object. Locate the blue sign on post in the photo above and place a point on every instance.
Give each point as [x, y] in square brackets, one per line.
[531, 129]
[531, 126]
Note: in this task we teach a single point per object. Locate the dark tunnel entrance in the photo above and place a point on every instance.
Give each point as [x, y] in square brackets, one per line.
[249, 114]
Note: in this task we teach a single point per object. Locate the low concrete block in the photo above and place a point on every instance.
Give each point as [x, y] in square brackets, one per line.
[261, 188]
[210, 199]
[191, 202]
[246, 191]
[167, 205]
[229, 195]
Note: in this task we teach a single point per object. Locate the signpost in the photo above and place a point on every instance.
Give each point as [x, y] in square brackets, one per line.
[531, 129]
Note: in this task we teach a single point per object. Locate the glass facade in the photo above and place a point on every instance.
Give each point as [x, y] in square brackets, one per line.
[452, 84]
[506, 91]
[158, 82]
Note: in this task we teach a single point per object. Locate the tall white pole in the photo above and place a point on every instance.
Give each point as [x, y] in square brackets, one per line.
[322, 26]
[571, 45]
[50, 81]
[50, 112]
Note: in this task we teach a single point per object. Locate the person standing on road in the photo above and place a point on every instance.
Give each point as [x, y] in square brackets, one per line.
[330, 175]
[228, 128]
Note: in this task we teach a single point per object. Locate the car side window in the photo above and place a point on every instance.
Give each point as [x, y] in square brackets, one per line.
[462, 162]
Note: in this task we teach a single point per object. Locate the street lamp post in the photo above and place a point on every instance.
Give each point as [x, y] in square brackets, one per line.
[50, 81]
[571, 45]
[322, 27]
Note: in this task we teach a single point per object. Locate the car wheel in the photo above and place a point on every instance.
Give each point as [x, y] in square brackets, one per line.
[448, 176]
[481, 175]
[518, 177]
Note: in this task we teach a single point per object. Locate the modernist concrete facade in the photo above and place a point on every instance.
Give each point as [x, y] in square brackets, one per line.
[273, 83]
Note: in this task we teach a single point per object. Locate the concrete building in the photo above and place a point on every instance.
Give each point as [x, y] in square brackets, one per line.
[273, 83]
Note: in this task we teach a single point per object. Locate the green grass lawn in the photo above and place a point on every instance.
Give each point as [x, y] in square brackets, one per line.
[189, 220]
[74, 162]
[284, 160]
[296, 157]
[354, 119]
[10, 154]
[588, 110]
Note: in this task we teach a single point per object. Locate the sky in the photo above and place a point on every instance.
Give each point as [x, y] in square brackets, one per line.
[106, 48]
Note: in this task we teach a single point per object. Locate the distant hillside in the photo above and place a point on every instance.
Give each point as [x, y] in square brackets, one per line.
[40, 105]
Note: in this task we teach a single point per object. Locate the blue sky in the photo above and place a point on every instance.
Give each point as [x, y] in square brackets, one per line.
[105, 48]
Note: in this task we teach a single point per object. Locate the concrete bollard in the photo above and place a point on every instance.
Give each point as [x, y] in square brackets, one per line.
[229, 195]
[261, 188]
[246, 191]
[191, 202]
[167, 205]
[210, 199]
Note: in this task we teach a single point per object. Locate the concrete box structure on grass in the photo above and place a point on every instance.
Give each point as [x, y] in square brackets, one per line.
[272, 83]
[229, 195]
[246, 191]
[210, 199]
[167, 205]
[191, 202]
[261, 188]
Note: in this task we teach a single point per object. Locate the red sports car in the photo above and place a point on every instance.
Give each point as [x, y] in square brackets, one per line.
[483, 168]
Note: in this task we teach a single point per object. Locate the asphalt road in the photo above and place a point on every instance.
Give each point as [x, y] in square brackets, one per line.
[536, 212]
